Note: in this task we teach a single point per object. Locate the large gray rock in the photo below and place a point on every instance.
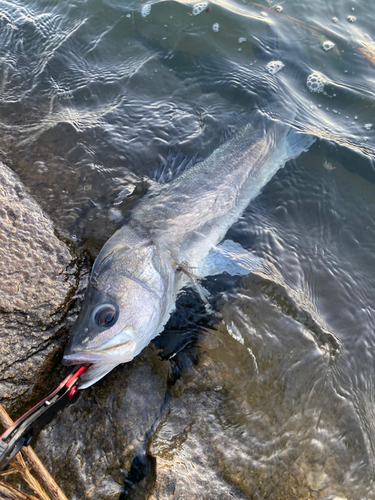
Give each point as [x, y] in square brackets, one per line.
[36, 281]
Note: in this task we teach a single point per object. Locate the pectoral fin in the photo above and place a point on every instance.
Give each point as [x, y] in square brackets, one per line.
[230, 257]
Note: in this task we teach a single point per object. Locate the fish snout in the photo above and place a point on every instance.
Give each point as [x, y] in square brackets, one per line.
[119, 349]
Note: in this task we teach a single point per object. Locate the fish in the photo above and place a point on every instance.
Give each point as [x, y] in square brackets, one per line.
[173, 238]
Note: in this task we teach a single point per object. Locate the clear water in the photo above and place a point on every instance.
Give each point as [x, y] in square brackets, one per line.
[93, 94]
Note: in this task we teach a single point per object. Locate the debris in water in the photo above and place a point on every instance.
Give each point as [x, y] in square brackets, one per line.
[328, 166]
[368, 50]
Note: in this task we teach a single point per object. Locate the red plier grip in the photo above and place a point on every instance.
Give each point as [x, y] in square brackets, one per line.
[28, 425]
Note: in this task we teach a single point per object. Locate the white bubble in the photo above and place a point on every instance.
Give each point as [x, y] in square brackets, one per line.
[352, 19]
[368, 126]
[315, 82]
[146, 9]
[242, 39]
[278, 8]
[328, 45]
[334, 19]
[215, 27]
[199, 7]
[128, 15]
[274, 67]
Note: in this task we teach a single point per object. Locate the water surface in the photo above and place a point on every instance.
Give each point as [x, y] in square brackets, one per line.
[95, 93]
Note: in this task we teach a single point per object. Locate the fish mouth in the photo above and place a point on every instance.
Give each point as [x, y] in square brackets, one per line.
[102, 359]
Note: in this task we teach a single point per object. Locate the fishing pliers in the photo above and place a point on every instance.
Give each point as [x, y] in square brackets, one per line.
[28, 425]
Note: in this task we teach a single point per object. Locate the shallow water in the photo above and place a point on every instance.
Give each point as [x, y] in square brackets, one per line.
[95, 93]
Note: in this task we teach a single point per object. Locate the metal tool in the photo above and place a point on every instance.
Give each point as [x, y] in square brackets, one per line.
[28, 426]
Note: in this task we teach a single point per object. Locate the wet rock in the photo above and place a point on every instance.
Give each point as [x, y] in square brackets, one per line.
[221, 429]
[96, 447]
[184, 449]
[216, 441]
[36, 279]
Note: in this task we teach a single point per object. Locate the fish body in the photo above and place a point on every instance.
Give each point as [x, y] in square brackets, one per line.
[175, 231]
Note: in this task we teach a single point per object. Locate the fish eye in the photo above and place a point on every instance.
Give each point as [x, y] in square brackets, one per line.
[105, 315]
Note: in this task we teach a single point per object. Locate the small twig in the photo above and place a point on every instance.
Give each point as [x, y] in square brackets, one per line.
[49, 483]
[8, 492]
[23, 470]
[5, 418]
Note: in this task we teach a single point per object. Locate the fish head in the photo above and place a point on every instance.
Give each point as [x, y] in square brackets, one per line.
[128, 300]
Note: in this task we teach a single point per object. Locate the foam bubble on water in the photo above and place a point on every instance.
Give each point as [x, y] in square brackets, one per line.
[215, 27]
[128, 15]
[199, 7]
[368, 126]
[352, 19]
[334, 19]
[146, 9]
[278, 8]
[274, 67]
[242, 39]
[315, 82]
[328, 45]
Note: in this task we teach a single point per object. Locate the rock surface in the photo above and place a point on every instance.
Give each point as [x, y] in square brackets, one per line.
[139, 434]
[97, 446]
[36, 282]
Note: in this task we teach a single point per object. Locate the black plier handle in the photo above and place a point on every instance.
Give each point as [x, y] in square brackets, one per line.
[26, 427]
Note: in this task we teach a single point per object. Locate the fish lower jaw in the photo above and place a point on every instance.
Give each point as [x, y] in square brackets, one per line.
[94, 373]
[99, 365]
[114, 355]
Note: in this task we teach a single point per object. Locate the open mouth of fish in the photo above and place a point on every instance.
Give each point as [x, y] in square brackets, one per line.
[102, 359]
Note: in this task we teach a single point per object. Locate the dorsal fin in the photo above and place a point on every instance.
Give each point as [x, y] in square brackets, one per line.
[175, 164]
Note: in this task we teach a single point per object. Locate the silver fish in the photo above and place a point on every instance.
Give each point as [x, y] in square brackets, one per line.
[172, 236]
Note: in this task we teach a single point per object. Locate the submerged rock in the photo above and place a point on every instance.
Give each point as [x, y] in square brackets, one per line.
[35, 282]
[230, 426]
